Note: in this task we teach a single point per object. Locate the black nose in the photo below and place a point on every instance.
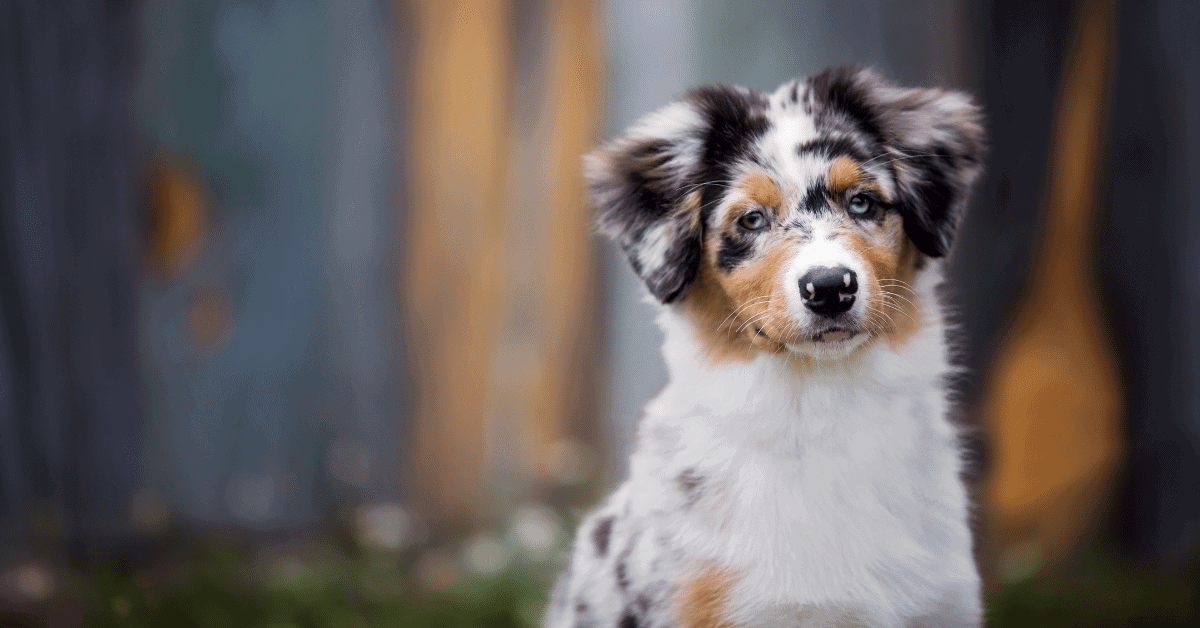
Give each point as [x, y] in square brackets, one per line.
[829, 291]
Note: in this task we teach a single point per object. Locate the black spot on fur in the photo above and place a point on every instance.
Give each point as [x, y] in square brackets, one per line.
[677, 271]
[816, 199]
[855, 148]
[622, 574]
[801, 226]
[733, 250]
[927, 214]
[583, 615]
[641, 604]
[636, 192]
[689, 483]
[650, 199]
[621, 571]
[601, 534]
[735, 120]
[840, 98]
[628, 620]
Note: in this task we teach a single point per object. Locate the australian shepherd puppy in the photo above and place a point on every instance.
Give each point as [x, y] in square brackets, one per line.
[799, 468]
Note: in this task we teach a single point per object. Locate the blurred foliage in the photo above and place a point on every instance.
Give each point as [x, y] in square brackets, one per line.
[330, 584]
[226, 586]
[1102, 589]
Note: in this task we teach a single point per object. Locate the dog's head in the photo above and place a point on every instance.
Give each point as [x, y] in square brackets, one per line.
[796, 220]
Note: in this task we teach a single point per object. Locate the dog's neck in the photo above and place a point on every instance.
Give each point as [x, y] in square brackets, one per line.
[782, 397]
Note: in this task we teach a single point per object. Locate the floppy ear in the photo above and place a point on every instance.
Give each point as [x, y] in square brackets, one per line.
[934, 140]
[639, 182]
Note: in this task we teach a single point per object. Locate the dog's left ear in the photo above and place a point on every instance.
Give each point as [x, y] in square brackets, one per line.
[935, 142]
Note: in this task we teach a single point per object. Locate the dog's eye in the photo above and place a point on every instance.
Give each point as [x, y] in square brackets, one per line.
[754, 221]
[861, 205]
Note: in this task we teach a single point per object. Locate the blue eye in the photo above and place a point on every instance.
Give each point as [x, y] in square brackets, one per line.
[754, 221]
[860, 204]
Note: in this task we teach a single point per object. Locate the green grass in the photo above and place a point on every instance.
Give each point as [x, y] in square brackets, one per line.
[1103, 589]
[327, 584]
[224, 586]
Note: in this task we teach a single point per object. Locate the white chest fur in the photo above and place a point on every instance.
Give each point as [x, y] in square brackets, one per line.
[831, 488]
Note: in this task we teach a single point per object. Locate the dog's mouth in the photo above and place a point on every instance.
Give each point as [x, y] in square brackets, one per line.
[833, 335]
[828, 342]
[825, 339]
[829, 335]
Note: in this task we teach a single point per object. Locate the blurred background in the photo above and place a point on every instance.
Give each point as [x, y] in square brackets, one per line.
[303, 322]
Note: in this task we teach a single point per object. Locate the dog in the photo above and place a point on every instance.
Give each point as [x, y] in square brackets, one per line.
[800, 467]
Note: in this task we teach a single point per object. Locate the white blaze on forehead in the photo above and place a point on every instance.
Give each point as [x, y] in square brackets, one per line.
[787, 132]
[808, 169]
[779, 146]
[821, 250]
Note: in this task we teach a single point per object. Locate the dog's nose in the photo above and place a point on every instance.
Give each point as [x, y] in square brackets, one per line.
[829, 291]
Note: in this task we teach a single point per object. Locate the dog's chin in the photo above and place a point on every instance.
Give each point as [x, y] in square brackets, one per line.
[830, 343]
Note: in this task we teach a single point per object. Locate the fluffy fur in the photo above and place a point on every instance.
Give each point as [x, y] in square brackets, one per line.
[799, 468]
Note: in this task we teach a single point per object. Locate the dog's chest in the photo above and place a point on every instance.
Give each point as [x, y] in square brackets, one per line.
[848, 505]
[843, 530]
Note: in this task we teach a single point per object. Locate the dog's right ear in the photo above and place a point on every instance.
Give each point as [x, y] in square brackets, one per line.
[641, 182]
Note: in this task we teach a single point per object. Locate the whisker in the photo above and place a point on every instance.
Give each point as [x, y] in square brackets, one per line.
[897, 306]
[891, 322]
[875, 325]
[744, 306]
[897, 157]
[894, 307]
[752, 320]
[888, 291]
[889, 294]
[758, 300]
[688, 189]
[876, 317]
[896, 283]
[722, 183]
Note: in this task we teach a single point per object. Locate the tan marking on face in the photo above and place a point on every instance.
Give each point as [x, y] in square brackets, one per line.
[845, 173]
[701, 601]
[734, 312]
[761, 189]
[893, 313]
[738, 313]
